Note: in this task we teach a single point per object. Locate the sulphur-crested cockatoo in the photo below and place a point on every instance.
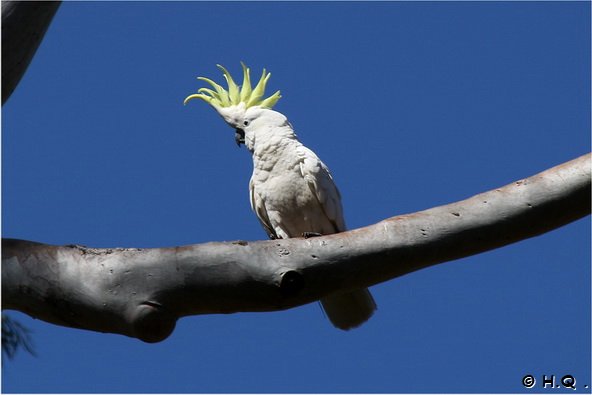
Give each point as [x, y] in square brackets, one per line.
[291, 189]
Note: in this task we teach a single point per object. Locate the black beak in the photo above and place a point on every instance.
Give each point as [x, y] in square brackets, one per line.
[239, 136]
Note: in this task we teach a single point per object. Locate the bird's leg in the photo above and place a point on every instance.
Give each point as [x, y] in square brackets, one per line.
[307, 235]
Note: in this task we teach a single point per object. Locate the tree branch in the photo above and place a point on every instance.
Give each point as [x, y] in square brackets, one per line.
[24, 24]
[142, 292]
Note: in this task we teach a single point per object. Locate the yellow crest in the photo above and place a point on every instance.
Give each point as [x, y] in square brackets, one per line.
[220, 97]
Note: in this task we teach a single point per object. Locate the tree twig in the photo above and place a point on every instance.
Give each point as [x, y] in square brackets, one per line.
[142, 292]
[24, 24]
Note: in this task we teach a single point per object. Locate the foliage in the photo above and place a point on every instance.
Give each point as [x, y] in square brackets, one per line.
[15, 336]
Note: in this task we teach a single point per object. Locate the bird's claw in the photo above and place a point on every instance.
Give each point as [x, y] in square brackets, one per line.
[307, 235]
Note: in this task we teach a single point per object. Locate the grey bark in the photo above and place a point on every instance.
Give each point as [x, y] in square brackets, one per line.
[24, 24]
[142, 292]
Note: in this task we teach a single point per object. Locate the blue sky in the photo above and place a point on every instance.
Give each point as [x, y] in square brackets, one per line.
[411, 105]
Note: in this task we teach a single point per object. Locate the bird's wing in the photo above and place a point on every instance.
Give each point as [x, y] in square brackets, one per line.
[259, 208]
[319, 179]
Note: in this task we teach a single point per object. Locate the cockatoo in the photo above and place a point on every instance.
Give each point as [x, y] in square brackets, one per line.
[291, 190]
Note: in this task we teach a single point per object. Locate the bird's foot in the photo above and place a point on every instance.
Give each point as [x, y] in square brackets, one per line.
[307, 235]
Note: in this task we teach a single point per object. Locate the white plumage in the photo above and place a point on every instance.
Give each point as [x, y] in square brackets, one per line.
[291, 190]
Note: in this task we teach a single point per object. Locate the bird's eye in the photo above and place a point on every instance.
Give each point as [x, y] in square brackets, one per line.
[246, 122]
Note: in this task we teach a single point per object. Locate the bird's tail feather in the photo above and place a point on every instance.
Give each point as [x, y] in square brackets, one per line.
[349, 310]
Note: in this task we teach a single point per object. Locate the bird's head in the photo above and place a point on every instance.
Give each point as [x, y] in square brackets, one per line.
[243, 108]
